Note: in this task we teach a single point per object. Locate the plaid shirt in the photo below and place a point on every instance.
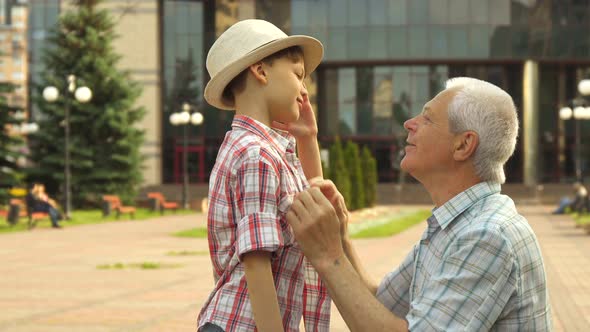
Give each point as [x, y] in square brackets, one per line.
[251, 189]
[478, 267]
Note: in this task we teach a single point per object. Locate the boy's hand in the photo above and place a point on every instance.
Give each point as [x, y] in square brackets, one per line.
[306, 126]
[329, 190]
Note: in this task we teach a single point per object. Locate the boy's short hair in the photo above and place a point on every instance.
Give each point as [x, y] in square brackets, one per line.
[294, 53]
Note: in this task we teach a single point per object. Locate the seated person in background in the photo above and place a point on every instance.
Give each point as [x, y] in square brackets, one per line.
[39, 201]
[577, 203]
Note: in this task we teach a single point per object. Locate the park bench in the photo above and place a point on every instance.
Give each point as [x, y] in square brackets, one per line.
[113, 203]
[159, 202]
[18, 209]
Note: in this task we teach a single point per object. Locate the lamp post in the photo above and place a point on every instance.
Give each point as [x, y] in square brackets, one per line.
[83, 95]
[580, 111]
[185, 118]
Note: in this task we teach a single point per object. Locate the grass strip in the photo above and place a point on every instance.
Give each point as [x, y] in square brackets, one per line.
[87, 217]
[391, 226]
[141, 266]
[199, 233]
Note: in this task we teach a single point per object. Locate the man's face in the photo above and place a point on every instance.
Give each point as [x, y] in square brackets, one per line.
[429, 148]
[286, 89]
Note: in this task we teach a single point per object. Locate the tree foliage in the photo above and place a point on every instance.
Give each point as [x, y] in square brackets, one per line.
[11, 144]
[104, 140]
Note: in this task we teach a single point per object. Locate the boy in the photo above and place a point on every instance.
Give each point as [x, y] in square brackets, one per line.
[262, 280]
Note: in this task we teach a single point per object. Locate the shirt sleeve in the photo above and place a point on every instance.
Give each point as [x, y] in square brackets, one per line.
[256, 205]
[394, 290]
[470, 289]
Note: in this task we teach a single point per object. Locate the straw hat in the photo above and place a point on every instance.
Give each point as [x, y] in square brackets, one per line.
[246, 43]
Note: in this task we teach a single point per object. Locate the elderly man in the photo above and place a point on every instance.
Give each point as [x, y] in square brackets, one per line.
[478, 265]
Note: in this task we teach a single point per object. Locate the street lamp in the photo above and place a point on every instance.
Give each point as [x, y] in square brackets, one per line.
[184, 118]
[83, 95]
[581, 111]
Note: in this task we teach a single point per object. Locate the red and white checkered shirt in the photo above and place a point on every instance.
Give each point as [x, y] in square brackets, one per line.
[251, 188]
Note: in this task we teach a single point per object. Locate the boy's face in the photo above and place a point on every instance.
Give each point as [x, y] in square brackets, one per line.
[285, 90]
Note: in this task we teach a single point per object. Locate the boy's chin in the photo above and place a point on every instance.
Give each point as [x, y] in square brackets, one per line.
[289, 119]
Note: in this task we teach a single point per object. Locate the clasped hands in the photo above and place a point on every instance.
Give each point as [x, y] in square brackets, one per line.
[319, 219]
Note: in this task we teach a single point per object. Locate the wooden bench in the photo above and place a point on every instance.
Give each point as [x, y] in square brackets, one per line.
[117, 206]
[161, 202]
[18, 209]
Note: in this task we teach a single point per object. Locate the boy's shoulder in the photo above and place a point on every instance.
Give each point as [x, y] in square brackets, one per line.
[241, 146]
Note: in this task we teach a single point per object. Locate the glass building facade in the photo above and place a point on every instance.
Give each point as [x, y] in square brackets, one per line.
[43, 16]
[384, 59]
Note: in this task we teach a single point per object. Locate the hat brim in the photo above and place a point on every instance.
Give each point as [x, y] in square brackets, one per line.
[313, 52]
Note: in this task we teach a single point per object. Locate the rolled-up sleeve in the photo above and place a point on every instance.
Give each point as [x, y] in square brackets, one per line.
[470, 289]
[256, 191]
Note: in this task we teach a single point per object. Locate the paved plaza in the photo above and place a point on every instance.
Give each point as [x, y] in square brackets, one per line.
[50, 280]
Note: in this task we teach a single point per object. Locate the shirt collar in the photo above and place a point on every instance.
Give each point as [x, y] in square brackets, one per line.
[282, 141]
[463, 201]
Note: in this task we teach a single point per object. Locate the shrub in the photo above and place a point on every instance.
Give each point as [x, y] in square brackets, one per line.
[353, 161]
[339, 171]
[369, 171]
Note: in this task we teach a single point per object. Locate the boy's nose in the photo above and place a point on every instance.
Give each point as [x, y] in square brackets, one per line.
[303, 89]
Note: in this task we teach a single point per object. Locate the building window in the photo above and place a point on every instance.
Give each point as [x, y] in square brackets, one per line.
[183, 39]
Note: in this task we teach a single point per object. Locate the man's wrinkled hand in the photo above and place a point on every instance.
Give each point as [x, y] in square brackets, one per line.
[328, 188]
[316, 227]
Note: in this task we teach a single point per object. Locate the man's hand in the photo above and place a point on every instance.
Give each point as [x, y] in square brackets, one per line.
[305, 127]
[316, 228]
[328, 188]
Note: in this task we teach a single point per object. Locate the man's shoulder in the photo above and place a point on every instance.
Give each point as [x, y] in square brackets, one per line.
[497, 214]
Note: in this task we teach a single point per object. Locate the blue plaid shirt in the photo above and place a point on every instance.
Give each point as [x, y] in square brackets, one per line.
[478, 267]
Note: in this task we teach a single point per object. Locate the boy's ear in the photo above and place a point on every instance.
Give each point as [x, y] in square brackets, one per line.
[259, 72]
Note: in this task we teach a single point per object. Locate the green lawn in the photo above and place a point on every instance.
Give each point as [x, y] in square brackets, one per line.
[581, 219]
[84, 217]
[376, 228]
[391, 226]
[198, 233]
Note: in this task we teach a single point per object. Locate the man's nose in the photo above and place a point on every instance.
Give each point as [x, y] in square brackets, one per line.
[410, 125]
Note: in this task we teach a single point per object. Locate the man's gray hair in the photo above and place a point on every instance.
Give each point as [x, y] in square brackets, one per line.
[490, 112]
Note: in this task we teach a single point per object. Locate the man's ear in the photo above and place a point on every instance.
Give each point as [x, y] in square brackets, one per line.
[259, 72]
[465, 145]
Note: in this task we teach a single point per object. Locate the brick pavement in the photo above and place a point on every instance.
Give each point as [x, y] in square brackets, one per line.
[49, 279]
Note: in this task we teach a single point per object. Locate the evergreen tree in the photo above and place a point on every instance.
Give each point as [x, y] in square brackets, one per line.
[353, 160]
[10, 174]
[104, 139]
[369, 166]
[339, 171]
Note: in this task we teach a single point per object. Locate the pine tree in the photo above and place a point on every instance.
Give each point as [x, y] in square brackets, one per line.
[10, 173]
[353, 160]
[369, 166]
[339, 171]
[104, 139]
